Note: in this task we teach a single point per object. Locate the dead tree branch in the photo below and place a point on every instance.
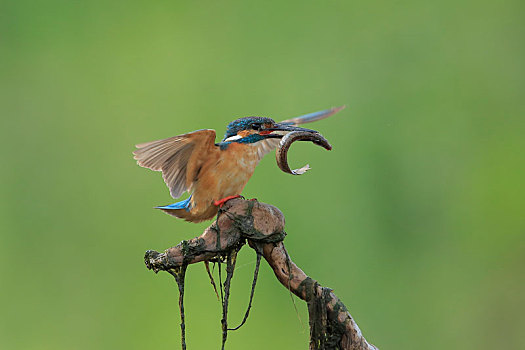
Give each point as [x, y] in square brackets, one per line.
[262, 226]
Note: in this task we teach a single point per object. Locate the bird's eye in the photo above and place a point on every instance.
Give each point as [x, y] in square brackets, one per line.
[256, 126]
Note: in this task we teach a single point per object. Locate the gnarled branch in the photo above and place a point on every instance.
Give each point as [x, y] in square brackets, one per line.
[262, 226]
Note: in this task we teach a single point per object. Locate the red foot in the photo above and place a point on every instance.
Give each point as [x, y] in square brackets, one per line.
[221, 202]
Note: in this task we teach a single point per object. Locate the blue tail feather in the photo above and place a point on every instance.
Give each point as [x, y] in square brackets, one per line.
[185, 204]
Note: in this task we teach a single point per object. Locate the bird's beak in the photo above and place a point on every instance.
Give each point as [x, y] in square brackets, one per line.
[279, 130]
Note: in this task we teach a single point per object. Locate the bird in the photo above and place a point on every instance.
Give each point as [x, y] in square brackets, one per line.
[213, 173]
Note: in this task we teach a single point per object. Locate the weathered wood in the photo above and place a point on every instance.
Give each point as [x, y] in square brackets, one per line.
[262, 226]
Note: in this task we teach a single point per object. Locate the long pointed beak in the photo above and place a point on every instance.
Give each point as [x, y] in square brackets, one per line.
[288, 128]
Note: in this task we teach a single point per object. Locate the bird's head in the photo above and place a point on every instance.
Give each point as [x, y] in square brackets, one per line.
[254, 129]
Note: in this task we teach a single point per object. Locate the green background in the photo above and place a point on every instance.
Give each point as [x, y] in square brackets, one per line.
[415, 219]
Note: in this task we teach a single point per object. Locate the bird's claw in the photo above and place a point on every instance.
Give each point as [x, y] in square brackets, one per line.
[221, 202]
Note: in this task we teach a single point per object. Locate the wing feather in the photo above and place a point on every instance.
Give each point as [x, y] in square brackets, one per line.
[312, 117]
[266, 146]
[171, 156]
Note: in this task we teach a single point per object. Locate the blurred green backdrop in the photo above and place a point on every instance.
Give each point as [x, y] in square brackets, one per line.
[415, 219]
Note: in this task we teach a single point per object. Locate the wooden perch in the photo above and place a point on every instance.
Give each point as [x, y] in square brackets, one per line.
[262, 226]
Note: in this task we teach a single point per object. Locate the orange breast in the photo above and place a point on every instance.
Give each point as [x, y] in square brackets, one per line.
[224, 173]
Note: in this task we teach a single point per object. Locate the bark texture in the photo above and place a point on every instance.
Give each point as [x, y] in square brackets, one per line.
[262, 227]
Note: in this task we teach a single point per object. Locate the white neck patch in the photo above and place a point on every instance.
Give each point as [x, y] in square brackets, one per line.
[233, 138]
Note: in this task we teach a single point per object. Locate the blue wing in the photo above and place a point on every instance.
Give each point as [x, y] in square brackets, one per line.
[312, 117]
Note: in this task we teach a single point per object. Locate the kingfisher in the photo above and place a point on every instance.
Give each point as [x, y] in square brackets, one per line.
[211, 172]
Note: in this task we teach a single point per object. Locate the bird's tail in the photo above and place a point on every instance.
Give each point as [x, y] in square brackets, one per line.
[185, 204]
[183, 210]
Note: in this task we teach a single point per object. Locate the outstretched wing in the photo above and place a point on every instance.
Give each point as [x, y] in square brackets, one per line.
[312, 117]
[177, 157]
[268, 145]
